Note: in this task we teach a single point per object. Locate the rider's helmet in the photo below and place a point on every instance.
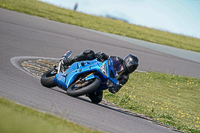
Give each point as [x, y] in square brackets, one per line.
[130, 63]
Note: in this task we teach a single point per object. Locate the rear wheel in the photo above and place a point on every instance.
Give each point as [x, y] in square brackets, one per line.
[47, 78]
[81, 88]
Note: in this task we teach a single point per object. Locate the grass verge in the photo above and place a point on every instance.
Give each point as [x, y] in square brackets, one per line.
[15, 118]
[173, 100]
[37, 8]
[170, 99]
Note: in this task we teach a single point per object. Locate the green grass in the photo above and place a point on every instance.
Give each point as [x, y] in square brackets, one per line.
[15, 118]
[37, 8]
[170, 99]
[173, 100]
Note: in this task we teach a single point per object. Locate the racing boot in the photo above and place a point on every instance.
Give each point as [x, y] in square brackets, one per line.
[86, 55]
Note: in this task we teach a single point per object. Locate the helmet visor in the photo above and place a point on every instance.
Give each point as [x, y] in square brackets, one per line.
[118, 67]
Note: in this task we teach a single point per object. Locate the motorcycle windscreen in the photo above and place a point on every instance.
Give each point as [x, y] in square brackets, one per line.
[117, 67]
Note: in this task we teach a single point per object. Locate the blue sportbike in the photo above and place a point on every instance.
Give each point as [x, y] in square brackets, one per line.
[81, 78]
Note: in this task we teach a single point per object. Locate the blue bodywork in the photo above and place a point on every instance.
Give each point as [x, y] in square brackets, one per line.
[101, 70]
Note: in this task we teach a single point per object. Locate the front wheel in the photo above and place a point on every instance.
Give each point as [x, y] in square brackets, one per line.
[47, 78]
[96, 97]
[78, 89]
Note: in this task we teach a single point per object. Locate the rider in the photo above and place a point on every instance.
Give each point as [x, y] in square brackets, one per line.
[122, 67]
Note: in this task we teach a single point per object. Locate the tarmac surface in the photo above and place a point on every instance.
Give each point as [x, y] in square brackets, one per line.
[27, 36]
[186, 54]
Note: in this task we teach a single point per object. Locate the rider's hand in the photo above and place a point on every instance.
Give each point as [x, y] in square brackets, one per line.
[115, 89]
[112, 90]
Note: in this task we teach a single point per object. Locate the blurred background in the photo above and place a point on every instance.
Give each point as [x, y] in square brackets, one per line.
[175, 16]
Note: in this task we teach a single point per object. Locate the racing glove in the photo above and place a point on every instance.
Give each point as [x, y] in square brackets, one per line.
[122, 80]
[114, 89]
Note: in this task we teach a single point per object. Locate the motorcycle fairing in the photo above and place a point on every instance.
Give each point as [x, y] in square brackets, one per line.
[64, 80]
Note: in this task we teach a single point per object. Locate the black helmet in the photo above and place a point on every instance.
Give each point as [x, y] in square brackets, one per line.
[130, 63]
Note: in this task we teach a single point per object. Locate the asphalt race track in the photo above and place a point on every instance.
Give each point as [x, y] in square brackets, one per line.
[24, 35]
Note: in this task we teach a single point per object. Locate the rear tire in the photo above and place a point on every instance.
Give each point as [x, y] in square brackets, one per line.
[47, 78]
[77, 90]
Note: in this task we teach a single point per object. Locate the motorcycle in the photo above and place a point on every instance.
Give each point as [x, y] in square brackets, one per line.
[88, 77]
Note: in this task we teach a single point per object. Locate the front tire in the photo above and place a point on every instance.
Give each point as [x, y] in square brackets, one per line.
[78, 89]
[47, 78]
[96, 97]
